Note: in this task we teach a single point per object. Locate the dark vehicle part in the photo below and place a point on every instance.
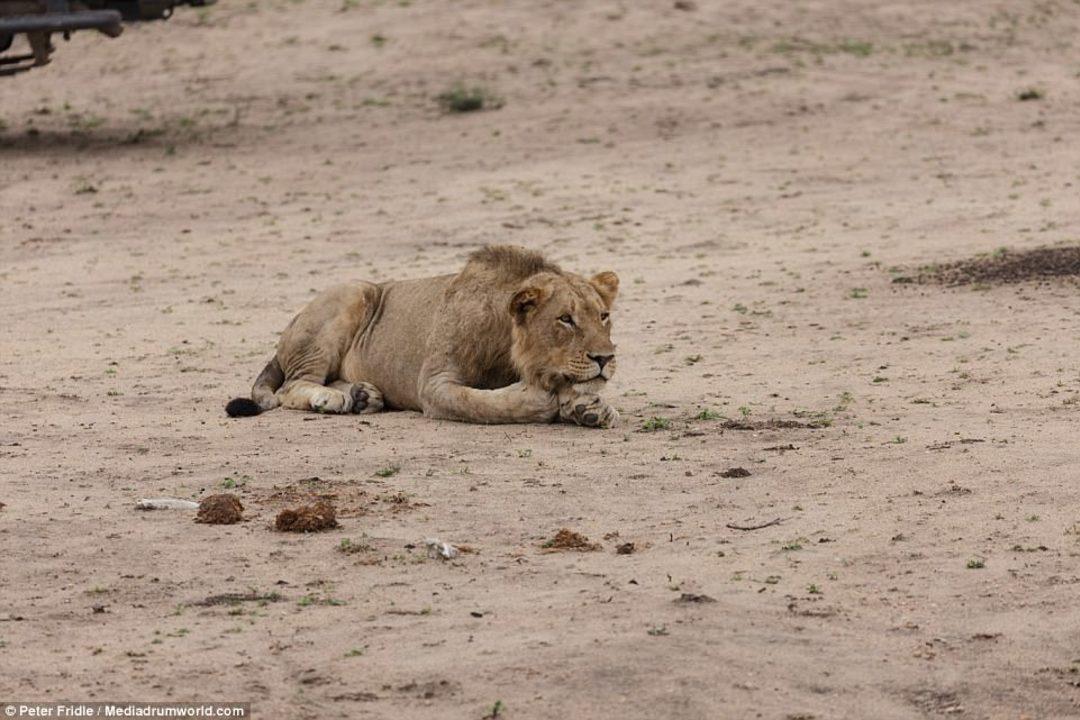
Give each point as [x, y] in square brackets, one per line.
[133, 10]
[40, 19]
[62, 22]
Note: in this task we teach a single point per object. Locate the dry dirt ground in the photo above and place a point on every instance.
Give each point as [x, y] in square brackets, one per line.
[758, 173]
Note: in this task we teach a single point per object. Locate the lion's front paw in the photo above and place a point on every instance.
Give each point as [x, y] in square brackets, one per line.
[588, 410]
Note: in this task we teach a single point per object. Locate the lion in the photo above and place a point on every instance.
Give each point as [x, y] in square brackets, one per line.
[512, 338]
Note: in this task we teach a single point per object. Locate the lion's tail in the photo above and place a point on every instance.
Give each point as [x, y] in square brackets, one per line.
[262, 393]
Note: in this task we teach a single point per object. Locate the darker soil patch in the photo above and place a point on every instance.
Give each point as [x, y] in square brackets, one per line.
[735, 472]
[349, 501]
[223, 509]
[307, 518]
[1004, 267]
[360, 696]
[936, 701]
[237, 598]
[567, 539]
[431, 689]
[772, 424]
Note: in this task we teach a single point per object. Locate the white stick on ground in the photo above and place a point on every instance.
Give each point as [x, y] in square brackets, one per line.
[166, 504]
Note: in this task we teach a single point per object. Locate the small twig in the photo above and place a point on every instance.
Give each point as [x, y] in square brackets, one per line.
[166, 504]
[777, 521]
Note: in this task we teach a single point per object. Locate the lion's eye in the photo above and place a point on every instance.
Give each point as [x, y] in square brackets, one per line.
[567, 319]
[604, 317]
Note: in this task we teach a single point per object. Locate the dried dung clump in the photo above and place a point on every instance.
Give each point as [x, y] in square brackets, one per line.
[1003, 267]
[307, 518]
[223, 509]
[567, 539]
[735, 472]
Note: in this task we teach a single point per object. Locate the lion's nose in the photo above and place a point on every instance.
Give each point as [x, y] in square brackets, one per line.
[601, 360]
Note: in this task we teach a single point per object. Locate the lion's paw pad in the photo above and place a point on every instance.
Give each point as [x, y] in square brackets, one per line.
[359, 398]
[591, 411]
[366, 398]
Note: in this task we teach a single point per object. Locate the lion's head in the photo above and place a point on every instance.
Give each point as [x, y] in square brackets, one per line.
[562, 328]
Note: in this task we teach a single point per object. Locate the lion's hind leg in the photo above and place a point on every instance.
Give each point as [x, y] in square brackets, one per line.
[315, 343]
[366, 398]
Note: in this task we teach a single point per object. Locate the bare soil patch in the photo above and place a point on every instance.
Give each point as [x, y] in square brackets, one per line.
[750, 169]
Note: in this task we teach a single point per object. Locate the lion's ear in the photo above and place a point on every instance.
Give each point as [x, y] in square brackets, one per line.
[607, 284]
[525, 300]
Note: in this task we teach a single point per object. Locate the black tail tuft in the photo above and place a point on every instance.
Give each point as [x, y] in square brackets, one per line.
[242, 407]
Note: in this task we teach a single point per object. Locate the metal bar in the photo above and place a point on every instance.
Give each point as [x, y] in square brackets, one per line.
[88, 19]
[11, 59]
[13, 69]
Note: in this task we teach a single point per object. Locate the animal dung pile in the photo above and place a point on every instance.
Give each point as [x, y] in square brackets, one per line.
[567, 539]
[223, 509]
[307, 518]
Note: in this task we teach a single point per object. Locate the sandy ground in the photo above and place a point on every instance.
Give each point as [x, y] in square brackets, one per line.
[755, 172]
